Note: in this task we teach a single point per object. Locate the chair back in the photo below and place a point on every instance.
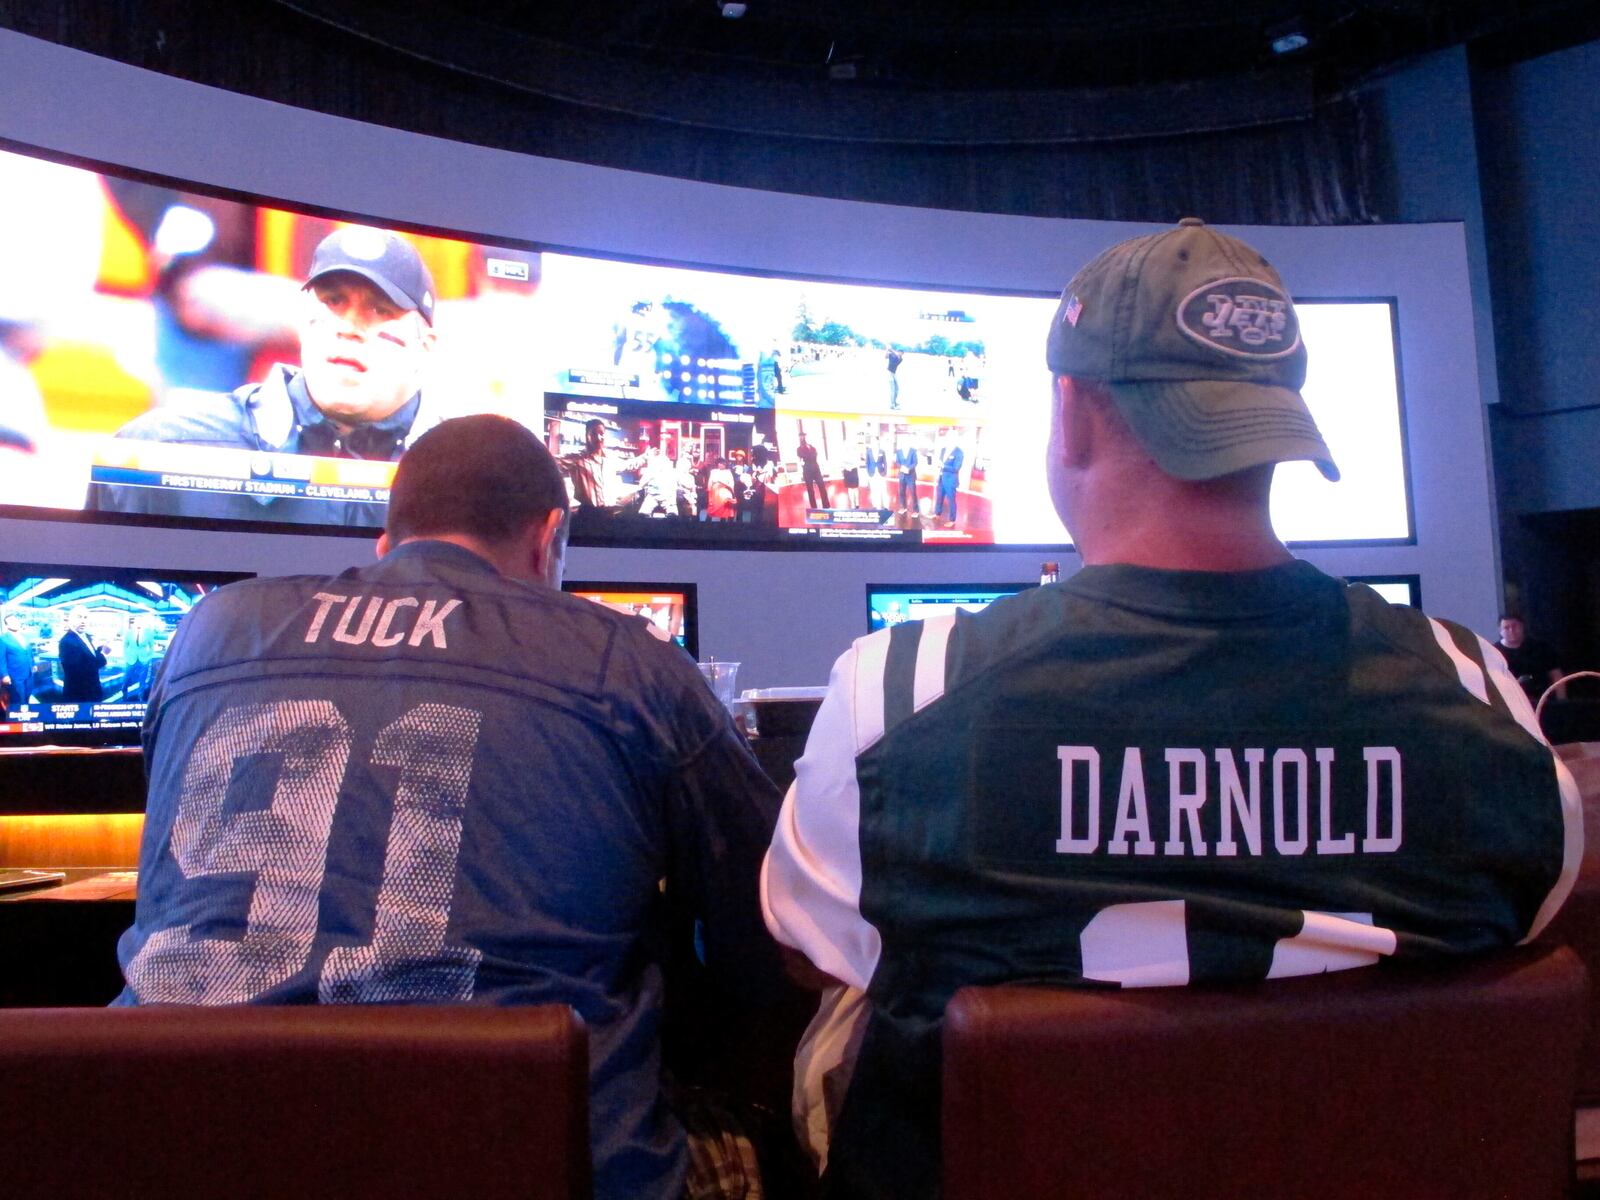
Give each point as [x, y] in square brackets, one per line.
[295, 1101]
[1379, 1082]
[1578, 922]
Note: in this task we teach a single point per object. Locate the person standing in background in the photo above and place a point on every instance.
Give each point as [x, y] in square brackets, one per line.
[892, 359]
[722, 502]
[16, 665]
[906, 460]
[586, 472]
[138, 648]
[1534, 663]
[811, 474]
[877, 474]
[80, 662]
[950, 459]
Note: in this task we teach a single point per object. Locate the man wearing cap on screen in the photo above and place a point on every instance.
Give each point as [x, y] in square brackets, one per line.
[365, 334]
[1195, 760]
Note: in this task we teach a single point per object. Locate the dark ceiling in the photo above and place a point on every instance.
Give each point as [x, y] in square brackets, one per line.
[907, 72]
[941, 103]
[995, 44]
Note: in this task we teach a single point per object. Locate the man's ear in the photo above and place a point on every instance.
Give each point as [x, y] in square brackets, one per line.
[1074, 422]
[383, 543]
[546, 547]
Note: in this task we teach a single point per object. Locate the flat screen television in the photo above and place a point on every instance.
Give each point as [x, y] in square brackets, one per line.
[891, 603]
[81, 646]
[1396, 589]
[671, 609]
[160, 363]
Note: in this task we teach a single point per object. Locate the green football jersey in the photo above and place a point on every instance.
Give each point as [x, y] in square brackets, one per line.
[1144, 778]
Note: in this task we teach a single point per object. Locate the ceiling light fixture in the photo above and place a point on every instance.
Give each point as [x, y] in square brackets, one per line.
[1288, 37]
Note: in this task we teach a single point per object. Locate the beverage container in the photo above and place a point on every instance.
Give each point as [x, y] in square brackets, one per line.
[722, 678]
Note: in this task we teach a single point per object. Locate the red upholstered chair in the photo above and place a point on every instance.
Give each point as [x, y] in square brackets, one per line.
[303, 1101]
[1368, 1083]
[1578, 922]
[1578, 925]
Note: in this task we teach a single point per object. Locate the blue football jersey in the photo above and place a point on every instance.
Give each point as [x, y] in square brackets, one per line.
[423, 782]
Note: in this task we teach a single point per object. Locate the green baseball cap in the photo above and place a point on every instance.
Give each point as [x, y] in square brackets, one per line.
[1199, 345]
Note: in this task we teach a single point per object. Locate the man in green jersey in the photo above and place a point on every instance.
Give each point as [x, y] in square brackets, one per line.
[1195, 760]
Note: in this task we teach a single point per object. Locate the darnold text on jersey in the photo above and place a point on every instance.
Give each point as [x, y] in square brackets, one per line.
[1194, 779]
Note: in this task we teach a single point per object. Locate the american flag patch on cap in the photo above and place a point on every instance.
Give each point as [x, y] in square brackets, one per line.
[1072, 311]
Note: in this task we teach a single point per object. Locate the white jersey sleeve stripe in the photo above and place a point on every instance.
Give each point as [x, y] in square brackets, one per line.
[871, 656]
[1571, 853]
[1510, 690]
[1331, 942]
[1469, 672]
[1571, 799]
[1143, 943]
[811, 879]
[929, 681]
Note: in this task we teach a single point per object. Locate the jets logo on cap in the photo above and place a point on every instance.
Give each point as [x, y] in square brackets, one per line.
[1248, 318]
[366, 245]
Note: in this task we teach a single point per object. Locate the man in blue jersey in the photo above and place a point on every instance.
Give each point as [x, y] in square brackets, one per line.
[437, 778]
[1195, 760]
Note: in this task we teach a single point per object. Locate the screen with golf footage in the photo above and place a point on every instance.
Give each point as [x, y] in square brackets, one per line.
[179, 357]
[80, 648]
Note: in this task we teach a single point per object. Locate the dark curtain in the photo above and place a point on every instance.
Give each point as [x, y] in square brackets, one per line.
[1305, 162]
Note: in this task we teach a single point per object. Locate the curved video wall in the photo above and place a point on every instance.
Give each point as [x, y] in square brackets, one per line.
[174, 355]
[569, 295]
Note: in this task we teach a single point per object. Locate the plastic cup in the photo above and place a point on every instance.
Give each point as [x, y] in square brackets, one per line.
[723, 680]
